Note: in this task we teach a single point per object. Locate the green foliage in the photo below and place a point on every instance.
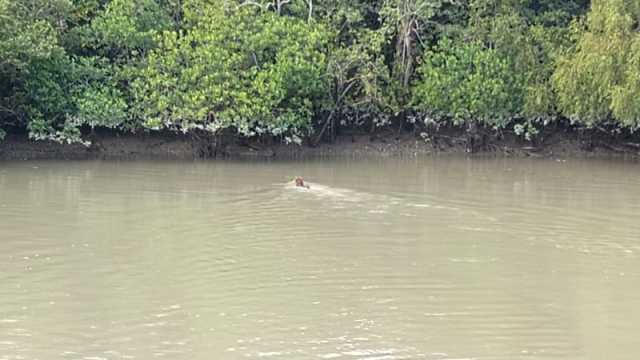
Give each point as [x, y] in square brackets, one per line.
[53, 92]
[255, 71]
[100, 106]
[597, 80]
[47, 86]
[409, 25]
[361, 80]
[624, 104]
[23, 39]
[128, 26]
[543, 46]
[28, 34]
[513, 29]
[66, 93]
[289, 67]
[467, 81]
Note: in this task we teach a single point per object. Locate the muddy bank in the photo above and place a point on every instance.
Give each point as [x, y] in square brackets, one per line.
[109, 145]
[103, 146]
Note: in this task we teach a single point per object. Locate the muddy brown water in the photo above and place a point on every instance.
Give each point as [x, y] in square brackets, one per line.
[439, 258]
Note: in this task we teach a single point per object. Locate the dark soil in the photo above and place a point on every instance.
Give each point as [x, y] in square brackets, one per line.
[556, 143]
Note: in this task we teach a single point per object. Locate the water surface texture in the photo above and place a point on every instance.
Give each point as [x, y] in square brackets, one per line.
[443, 258]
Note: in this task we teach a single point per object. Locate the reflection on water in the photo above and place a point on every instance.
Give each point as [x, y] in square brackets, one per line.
[440, 258]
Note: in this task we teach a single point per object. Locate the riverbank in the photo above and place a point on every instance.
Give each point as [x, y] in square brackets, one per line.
[163, 145]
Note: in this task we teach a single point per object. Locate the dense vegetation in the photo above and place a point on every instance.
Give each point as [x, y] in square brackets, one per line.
[294, 69]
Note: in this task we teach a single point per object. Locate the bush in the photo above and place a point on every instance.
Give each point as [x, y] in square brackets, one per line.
[597, 81]
[466, 81]
[257, 72]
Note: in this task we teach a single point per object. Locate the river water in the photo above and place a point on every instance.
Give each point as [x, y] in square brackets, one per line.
[437, 258]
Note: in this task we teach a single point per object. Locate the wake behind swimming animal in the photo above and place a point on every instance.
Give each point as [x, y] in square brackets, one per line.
[299, 181]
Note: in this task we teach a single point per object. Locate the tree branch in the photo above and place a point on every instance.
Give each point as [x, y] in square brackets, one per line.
[248, 2]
